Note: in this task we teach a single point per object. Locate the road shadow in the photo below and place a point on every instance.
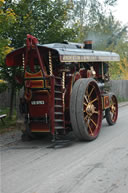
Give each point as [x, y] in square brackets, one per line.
[42, 141]
[46, 140]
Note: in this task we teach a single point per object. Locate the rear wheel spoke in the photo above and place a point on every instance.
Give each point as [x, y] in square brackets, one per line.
[95, 112]
[94, 100]
[91, 92]
[86, 118]
[85, 97]
[90, 129]
[85, 104]
[93, 122]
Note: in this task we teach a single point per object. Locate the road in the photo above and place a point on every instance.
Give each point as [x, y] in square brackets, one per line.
[100, 166]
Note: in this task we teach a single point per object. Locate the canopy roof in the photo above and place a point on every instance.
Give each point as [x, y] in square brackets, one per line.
[71, 53]
[66, 53]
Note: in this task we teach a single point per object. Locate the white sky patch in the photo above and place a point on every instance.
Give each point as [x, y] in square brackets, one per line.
[120, 11]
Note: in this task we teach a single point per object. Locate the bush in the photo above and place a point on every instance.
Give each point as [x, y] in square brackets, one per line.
[122, 99]
[10, 124]
[3, 86]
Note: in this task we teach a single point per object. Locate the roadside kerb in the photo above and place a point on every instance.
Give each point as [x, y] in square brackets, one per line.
[122, 104]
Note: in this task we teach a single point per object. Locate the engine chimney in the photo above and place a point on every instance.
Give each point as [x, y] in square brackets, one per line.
[88, 44]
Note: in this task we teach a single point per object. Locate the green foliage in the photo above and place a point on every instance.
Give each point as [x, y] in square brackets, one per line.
[8, 73]
[90, 14]
[52, 18]
[7, 18]
[107, 34]
[110, 35]
[9, 123]
[122, 99]
[120, 70]
[3, 86]
[45, 19]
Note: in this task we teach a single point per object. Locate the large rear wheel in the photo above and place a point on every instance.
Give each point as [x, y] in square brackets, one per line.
[86, 109]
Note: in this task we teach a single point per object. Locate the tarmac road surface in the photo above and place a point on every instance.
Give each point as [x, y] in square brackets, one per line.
[100, 166]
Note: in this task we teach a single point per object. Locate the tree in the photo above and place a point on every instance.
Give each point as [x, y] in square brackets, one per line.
[3, 85]
[89, 13]
[107, 34]
[45, 19]
[99, 25]
[7, 18]
[124, 68]
[52, 18]
[122, 49]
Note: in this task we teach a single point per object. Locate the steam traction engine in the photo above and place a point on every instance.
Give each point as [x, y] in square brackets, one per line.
[64, 88]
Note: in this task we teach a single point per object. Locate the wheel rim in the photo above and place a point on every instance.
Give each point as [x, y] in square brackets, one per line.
[113, 109]
[92, 109]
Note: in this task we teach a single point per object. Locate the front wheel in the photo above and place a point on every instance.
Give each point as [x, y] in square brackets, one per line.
[86, 109]
[111, 113]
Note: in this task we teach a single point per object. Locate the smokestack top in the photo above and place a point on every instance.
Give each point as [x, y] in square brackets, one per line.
[88, 44]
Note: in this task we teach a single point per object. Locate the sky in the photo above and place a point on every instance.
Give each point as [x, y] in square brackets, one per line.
[120, 11]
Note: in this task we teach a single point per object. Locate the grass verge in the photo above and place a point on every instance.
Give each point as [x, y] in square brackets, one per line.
[9, 124]
[121, 99]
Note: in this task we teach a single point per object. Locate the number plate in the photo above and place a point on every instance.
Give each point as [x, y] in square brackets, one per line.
[37, 102]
